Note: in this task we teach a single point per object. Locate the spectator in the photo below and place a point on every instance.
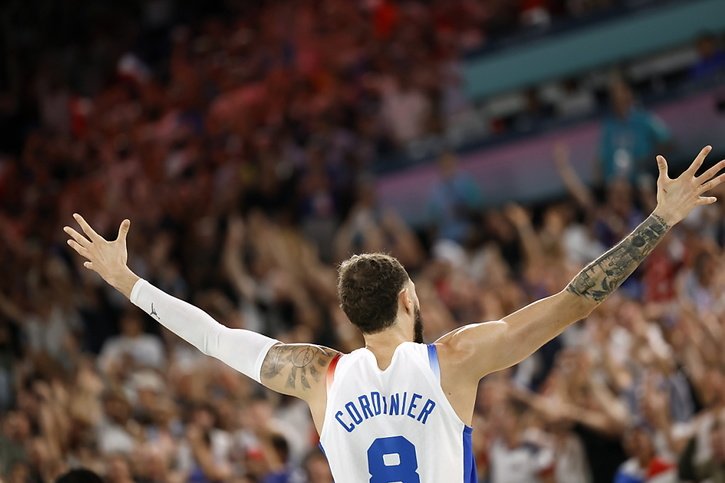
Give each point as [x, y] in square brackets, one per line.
[535, 13]
[116, 433]
[453, 202]
[132, 346]
[15, 431]
[699, 285]
[711, 60]
[513, 458]
[49, 331]
[204, 456]
[535, 113]
[316, 468]
[630, 135]
[712, 468]
[118, 469]
[644, 465]
[370, 228]
[406, 110]
[571, 464]
[576, 100]
[283, 473]
[152, 465]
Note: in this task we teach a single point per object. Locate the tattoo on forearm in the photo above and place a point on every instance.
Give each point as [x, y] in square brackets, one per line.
[605, 274]
[298, 362]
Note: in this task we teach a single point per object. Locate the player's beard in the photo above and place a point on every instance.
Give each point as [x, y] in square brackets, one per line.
[418, 326]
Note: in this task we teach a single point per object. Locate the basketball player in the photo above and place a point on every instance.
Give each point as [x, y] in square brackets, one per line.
[398, 410]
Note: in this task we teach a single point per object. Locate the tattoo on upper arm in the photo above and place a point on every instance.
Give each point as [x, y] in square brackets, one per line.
[605, 274]
[299, 363]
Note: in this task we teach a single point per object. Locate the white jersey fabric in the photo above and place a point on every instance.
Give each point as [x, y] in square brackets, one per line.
[394, 425]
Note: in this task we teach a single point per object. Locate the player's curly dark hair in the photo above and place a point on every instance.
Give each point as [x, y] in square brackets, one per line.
[368, 287]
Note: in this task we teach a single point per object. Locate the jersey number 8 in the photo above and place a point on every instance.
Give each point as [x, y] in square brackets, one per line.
[392, 459]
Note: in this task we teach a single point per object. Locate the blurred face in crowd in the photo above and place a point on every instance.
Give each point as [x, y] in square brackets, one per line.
[714, 388]
[131, 325]
[706, 47]
[16, 426]
[706, 269]
[163, 412]
[147, 399]
[556, 219]
[203, 418]
[117, 470]
[38, 451]
[366, 193]
[257, 415]
[27, 402]
[508, 422]
[619, 196]
[116, 408]
[639, 444]
[150, 463]
[447, 166]
[19, 473]
[317, 468]
[621, 98]
[226, 414]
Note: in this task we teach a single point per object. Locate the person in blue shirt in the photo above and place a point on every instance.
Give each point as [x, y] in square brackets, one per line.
[453, 202]
[630, 135]
[711, 61]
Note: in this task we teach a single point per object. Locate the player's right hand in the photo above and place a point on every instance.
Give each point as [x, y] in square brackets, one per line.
[107, 258]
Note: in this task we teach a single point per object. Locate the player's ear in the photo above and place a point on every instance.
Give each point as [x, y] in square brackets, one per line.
[405, 299]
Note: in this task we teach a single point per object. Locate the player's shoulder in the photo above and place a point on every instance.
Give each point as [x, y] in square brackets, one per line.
[459, 343]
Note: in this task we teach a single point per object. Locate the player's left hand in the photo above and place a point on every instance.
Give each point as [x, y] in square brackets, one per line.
[106, 258]
[676, 198]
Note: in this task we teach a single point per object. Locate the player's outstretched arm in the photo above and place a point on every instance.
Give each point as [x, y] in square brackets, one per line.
[293, 369]
[487, 347]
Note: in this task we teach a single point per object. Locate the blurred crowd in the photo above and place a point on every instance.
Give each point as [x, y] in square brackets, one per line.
[241, 150]
[381, 75]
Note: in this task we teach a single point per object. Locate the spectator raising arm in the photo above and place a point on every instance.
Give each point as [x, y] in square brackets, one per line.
[573, 183]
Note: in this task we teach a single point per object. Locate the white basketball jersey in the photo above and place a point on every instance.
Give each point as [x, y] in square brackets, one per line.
[394, 425]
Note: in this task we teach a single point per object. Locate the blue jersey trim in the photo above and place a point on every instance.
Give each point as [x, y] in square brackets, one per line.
[469, 464]
[433, 361]
[624, 478]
